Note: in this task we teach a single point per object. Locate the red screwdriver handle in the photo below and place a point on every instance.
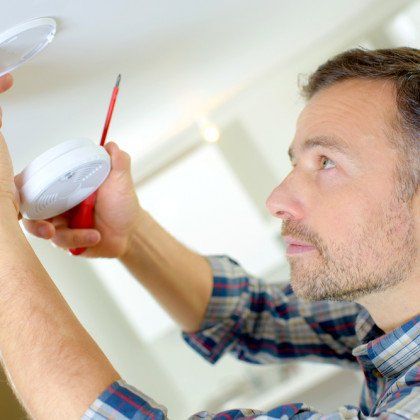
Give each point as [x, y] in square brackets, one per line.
[82, 217]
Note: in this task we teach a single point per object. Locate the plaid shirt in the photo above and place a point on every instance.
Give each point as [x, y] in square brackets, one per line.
[263, 323]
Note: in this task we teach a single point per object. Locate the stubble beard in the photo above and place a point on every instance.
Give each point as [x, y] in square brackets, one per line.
[378, 256]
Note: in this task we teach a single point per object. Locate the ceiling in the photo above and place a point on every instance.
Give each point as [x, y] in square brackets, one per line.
[175, 58]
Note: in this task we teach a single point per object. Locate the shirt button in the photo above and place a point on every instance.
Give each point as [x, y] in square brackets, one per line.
[377, 374]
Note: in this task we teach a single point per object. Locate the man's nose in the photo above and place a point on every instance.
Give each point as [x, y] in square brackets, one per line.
[282, 203]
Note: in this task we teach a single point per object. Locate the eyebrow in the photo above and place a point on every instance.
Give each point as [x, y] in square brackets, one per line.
[327, 142]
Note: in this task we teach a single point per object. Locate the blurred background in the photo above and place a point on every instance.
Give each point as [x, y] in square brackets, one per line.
[207, 107]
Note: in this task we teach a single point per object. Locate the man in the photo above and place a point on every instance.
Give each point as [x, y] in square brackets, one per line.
[350, 209]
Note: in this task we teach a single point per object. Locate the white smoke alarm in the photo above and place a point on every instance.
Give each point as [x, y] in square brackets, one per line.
[22, 42]
[61, 178]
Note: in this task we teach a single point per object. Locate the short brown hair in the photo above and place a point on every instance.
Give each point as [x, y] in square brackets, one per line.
[401, 66]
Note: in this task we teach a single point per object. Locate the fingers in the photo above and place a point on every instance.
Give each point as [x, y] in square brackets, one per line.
[76, 238]
[60, 221]
[40, 228]
[46, 229]
[6, 82]
[57, 230]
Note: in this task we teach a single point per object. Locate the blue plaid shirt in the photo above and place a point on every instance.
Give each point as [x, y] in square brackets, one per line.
[266, 323]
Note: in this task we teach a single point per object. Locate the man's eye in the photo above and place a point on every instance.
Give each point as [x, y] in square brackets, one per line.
[327, 163]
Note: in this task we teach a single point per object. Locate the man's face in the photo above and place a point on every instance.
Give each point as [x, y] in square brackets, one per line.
[341, 199]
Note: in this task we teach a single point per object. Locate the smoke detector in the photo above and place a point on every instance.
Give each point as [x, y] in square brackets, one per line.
[61, 178]
[22, 42]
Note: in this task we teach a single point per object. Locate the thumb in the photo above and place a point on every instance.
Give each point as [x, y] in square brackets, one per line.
[120, 160]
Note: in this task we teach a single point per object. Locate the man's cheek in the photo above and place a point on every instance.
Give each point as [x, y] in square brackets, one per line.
[336, 221]
[340, 233]
[353, 209]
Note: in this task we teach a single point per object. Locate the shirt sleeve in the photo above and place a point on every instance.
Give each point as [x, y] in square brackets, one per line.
[121, 401]
[262, 323]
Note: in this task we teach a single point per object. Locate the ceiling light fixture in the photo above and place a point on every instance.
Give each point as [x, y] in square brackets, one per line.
[208, 131]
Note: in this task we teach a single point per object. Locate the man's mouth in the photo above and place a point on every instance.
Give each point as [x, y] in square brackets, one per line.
[296, 246]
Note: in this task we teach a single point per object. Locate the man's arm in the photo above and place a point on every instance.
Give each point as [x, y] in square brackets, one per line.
[179, 279]
[265, 323]
[56, 368]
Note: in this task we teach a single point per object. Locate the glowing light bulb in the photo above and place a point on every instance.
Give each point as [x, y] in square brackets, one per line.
[209, 132]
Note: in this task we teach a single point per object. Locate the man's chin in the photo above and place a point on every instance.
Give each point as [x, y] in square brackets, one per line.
[307, 284]
[304, 294]
[304, 290]
[314, 291]
[318, 286]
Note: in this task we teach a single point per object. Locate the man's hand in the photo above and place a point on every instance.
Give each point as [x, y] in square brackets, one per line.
[8, 191]
[117, 213]
[6, 82]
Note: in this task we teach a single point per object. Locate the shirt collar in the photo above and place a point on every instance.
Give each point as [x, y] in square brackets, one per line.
[392, 353]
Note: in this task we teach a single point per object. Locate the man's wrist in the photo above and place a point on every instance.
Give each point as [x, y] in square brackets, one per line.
[135, 238]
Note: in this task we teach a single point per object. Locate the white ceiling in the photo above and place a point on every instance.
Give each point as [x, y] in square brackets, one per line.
[175, 58]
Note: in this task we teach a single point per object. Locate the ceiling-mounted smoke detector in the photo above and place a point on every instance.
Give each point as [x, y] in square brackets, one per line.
[22, 42]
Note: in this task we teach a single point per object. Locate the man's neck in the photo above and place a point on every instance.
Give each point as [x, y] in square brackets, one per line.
[395, 306]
